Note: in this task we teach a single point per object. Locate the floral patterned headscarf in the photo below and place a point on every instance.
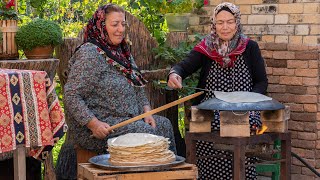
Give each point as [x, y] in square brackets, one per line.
[118, 56]
[224, 52]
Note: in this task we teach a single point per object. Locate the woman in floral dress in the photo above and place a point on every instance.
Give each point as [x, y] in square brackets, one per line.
[105, 87]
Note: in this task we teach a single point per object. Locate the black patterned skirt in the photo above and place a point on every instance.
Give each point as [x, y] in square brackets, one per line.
[218, 164]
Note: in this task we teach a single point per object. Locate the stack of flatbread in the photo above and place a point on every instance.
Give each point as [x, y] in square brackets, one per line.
[134, 149]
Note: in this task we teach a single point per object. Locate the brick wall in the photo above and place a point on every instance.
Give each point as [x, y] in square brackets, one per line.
[279, 21]
[293, 73]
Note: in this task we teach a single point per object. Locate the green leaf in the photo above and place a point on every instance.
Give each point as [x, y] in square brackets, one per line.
[135, 5]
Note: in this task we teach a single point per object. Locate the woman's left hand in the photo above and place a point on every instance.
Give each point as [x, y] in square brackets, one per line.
[150, 120]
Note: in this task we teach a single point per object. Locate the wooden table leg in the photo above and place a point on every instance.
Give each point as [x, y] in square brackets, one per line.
[19, 163]
[49, 173]
[286, 154]
[190, 149]
[239, 161]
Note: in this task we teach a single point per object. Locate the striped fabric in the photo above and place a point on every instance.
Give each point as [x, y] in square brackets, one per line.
[30, 113]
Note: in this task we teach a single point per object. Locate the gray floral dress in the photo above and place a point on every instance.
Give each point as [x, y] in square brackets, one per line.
[95, 88]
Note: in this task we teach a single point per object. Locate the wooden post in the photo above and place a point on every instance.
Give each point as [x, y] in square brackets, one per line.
[239, 161]
[49, 173]
[285, 170]
[16, 6]
[19, 163]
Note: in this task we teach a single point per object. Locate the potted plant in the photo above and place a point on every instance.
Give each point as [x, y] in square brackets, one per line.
[38, 38]
[177, 14]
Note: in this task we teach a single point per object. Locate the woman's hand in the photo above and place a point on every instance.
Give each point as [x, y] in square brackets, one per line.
[99, 129]
[175, 81]
[149, 119]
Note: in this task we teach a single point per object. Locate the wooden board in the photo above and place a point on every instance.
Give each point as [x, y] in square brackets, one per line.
[274, 126]
[234, 124]
[200, 126]
[238, 130]
[8, 46]
[86, 171]
[276, 115]
[201, 115]
[84, 155]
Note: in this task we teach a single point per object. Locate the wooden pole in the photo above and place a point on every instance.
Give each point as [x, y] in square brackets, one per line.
[16, 5]
[161, 108]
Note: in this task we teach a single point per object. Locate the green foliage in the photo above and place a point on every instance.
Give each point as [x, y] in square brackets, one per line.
[56, 149]
[37, 3]
[198, 4]
[73, 15]
[151, 16]
[70, 15]
[178, 6]
[38, 32]
[152, 13]
[181, 120]
[59, 90]
[171, 55]
[7, 10]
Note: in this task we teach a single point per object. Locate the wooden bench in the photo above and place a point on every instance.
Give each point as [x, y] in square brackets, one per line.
[87, 171]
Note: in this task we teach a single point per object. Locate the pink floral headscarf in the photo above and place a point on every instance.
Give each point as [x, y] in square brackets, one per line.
[224, 52]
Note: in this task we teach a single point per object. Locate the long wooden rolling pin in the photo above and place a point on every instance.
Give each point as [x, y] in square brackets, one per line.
[161, 108]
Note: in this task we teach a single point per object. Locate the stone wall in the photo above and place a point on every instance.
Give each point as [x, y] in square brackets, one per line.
[279, 21]
[293, 74]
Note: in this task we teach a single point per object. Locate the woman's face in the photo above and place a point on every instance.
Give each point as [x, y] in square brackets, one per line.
[225, 25]
[115, 25]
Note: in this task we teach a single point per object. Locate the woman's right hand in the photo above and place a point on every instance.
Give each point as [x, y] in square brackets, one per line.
[98, 128]
[175, 81]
